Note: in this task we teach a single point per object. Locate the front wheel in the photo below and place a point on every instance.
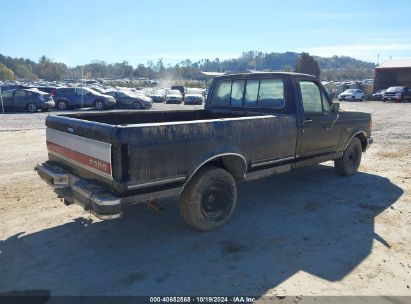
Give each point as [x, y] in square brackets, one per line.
[31, 108]
[99, 105]
[137, 105]
[350, 161]
[62, 105]
[208, 201]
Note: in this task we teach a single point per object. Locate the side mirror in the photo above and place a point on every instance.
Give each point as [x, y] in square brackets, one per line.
[335, 107]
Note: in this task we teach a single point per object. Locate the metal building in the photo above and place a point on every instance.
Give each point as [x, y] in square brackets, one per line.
[395, 72]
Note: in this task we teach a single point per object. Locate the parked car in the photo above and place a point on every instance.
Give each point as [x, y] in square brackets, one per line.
[398, 94]
[193, 96]
[30, 100]
[78, 97]
[378, 95]
[253, 125]
[158, 96]
[128, 100]
[351, 95]
[174, 96]
[7, 87]
[182, 89]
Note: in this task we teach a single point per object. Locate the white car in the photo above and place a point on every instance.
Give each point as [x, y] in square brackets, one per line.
[174, 96]
[352, 95]
[193, 96]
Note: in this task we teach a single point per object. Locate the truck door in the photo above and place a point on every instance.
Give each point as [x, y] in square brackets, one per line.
[320, 131]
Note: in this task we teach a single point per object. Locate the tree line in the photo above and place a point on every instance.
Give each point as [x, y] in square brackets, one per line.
[328, 68]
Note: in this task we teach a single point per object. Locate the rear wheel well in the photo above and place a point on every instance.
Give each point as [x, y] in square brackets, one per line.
[234, 164]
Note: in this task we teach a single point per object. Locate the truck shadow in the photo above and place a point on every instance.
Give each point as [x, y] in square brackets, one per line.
[308, 220]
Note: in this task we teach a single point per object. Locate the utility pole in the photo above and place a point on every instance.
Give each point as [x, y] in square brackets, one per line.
[1, 98]
[82, 90]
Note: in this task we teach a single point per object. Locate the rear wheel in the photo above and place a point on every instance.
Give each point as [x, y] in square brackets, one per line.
[209, 199]
[350, 161]
[99, 105]
[353, 98]
[31, 108]
[62, 105]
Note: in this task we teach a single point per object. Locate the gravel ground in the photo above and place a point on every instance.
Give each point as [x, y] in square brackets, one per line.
[307, 232]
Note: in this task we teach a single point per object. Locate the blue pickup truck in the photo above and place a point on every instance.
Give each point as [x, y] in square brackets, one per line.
[253, 125]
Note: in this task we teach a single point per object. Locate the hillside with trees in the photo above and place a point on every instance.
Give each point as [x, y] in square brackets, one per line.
[330, 68]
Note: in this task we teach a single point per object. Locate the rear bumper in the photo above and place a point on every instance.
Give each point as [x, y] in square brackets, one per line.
[193, 102]
[73, 189]
[48, 105]
[92, 197]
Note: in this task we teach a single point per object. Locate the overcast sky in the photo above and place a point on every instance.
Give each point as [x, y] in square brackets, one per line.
[76, 32]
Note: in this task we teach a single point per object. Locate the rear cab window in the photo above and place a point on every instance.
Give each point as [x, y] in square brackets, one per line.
[250, 93]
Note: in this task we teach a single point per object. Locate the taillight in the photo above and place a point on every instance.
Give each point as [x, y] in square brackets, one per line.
[53, 93]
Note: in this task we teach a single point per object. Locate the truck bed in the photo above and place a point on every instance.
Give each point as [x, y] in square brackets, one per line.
[145, 117]
[136, 151]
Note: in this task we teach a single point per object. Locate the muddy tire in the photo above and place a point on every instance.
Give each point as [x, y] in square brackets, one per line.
[209, 199]
[349, 163]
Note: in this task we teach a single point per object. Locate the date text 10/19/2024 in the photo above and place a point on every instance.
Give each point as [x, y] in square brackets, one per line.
[206, 299]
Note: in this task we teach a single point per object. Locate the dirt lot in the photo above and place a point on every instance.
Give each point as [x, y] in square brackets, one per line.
[308, 232]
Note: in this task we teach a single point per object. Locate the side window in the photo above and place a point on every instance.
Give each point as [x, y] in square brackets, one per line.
[20, 94]
[251, 93]
[311, 96]
[7, 94]
[81, 91]
[326, 104]
[237, 90]
[271, 93]
[221, 93]
[68, 91]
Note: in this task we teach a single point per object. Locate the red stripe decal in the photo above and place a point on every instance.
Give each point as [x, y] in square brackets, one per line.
[84, 159]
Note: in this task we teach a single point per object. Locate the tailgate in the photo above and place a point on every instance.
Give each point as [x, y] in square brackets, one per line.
[78, 151]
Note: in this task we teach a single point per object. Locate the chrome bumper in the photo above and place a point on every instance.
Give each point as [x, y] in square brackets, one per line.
[73, 189]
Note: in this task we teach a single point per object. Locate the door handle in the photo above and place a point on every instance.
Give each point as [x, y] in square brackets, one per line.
[307, 120]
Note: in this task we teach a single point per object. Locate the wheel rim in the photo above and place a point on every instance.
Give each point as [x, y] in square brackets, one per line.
[216, 202]
[32, 108]
[99, 105]
[137, 105]
[62, 105]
